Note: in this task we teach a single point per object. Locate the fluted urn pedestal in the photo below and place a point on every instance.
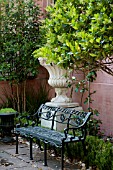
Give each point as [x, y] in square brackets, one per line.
[58, 79]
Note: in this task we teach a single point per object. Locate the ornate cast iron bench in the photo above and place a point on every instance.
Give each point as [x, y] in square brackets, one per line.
[75, 129]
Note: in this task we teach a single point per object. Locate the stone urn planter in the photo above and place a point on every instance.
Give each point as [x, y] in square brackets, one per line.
[59, 79]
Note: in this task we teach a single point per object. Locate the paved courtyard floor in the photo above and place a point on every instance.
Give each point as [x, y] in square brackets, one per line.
[11, 161]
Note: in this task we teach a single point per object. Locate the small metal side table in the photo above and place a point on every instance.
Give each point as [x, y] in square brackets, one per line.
[7, 123]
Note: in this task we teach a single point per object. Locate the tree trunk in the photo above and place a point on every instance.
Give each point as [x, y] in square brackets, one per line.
[24, 96]
[18, 98]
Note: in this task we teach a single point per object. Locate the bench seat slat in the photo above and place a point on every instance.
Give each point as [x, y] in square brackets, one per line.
[51, 136]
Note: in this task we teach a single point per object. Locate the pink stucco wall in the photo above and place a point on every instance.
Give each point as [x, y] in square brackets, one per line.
[4, 88]
[41, 79]
[42, 4]
[103, 100]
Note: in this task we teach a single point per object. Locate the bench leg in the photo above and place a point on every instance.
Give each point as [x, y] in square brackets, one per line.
[31, 154]
[38, 142]
[84, 147]
[62, 157]
[45, 154]
[16, 143]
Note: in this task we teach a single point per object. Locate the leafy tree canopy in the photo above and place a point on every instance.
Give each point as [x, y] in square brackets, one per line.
[20, 35]
[80, 33]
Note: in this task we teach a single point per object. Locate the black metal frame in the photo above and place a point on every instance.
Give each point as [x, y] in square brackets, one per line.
[75, 122]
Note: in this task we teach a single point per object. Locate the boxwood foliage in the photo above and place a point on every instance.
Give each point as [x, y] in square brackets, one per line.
[80, 33]
[98, 155]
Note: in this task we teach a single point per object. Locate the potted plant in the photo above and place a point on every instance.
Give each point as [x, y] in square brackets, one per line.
[7, 116]
[7, 111]
[79, 34]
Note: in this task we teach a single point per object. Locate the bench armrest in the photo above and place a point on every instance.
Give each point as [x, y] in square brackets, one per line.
[77, 124]
[79, 132]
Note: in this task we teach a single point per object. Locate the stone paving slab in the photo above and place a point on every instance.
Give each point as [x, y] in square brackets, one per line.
[11, 161]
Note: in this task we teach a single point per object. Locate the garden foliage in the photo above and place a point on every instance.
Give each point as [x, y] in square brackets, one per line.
[80, 34]
[20, 36]
[99, 153]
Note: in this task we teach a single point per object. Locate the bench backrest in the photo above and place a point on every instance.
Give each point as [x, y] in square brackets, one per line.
[68, 116]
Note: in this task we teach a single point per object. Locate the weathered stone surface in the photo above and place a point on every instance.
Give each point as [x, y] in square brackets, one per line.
[11, 161]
